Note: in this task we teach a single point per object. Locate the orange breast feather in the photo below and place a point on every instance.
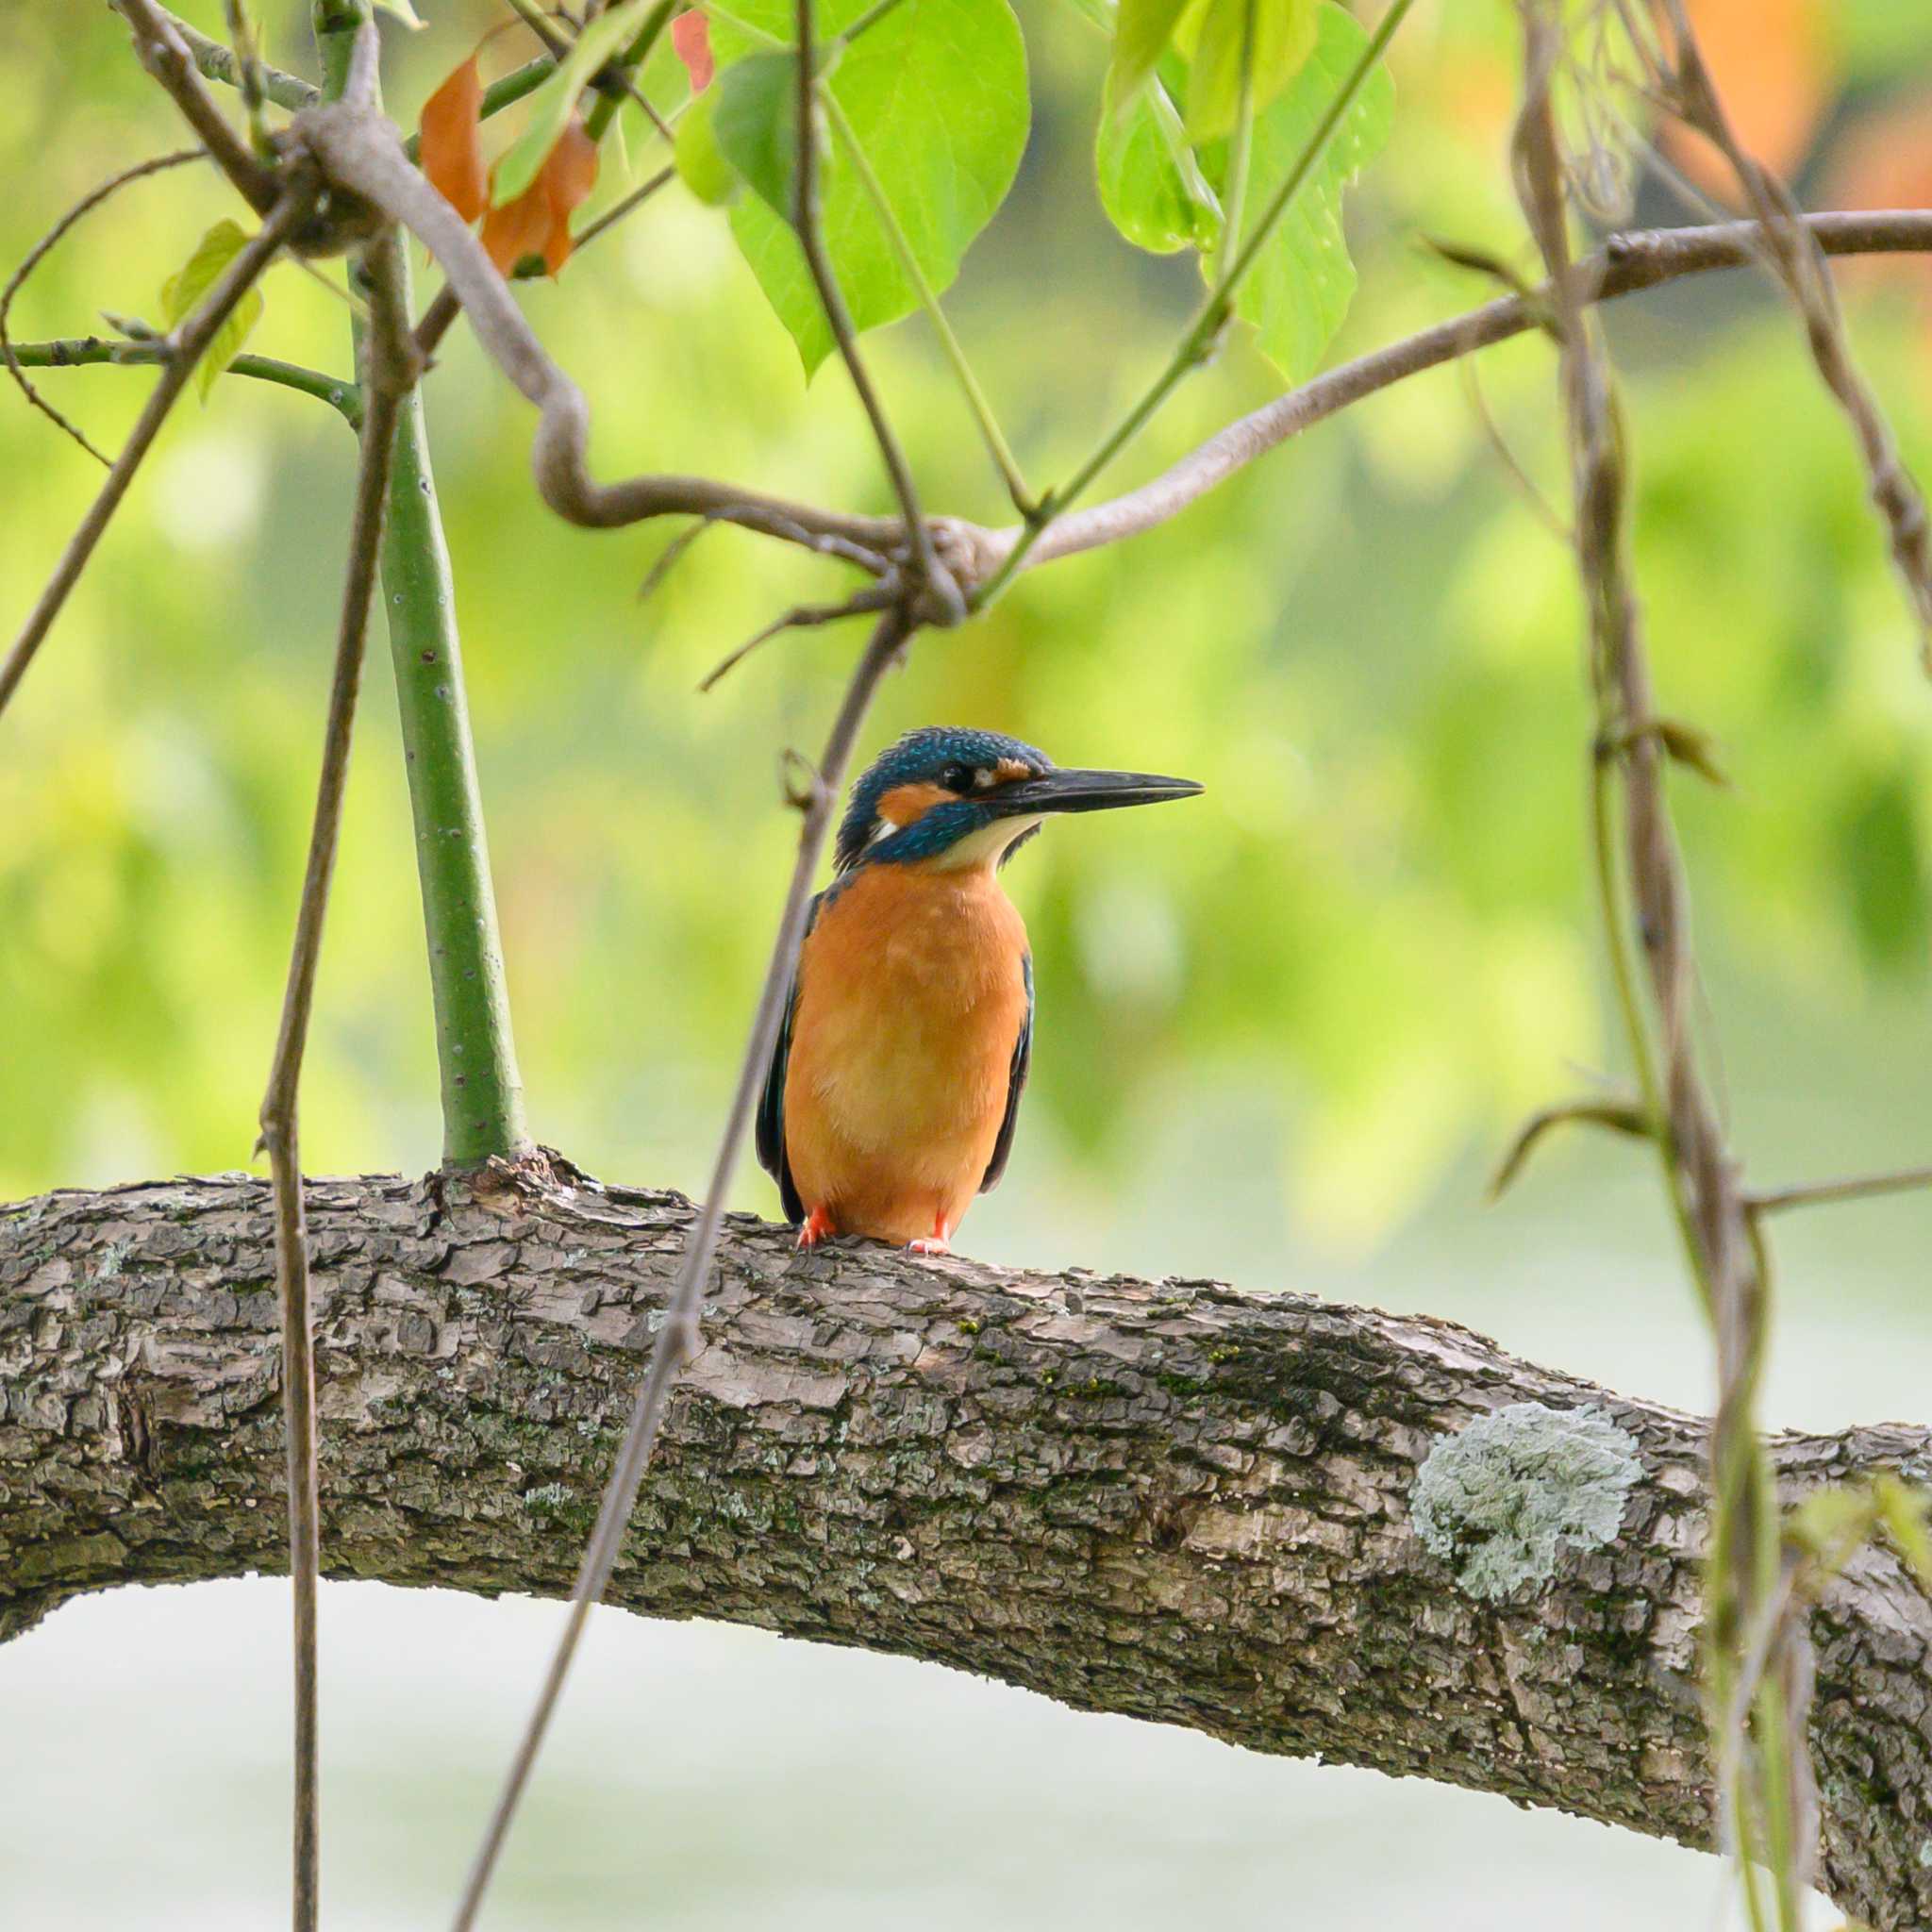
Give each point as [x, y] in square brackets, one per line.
[910, 1001]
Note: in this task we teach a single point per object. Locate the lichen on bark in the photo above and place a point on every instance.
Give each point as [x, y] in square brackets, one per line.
[1500, 1500]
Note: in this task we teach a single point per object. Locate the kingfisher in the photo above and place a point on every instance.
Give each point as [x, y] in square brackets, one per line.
[894, 1090]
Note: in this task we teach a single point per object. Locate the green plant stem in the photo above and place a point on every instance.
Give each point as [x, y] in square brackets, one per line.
[476, 1050]
[517, 85]
[1244, 141]
[341, 394]
[991, 433]
[1213, 315]
[603, 109]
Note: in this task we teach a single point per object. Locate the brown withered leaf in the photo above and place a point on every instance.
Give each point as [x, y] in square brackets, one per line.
[537, 222]
[567, 177]
[451, 148]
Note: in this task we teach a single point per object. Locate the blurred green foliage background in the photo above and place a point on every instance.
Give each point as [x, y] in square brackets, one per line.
[1282, 1033]
[1370, 942]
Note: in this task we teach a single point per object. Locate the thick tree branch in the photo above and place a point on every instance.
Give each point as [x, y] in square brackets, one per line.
[1169, 1500]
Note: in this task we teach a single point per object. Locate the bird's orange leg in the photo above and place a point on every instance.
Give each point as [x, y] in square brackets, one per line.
[939, 1242]
[817, 1225]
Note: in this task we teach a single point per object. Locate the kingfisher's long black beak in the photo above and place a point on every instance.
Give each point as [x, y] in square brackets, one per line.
[1072, 791]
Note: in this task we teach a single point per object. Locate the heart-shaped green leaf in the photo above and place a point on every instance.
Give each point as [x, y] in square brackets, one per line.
[935, 95]
[1299, 288]
[756, 126]
[183, 290]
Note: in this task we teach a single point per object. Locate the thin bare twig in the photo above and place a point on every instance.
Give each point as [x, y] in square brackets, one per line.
[165, 54]
[1766, 1802]
[1527, 488]
[617, 210]
[1855, 1188]
[357, 157]
[39, 252]
[189, 344]
[280, 1137]
[803, 617]
[679, 1338]
[1627, 264]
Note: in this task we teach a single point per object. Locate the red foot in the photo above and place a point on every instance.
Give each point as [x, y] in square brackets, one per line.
[939, 1242]
[817, 1225]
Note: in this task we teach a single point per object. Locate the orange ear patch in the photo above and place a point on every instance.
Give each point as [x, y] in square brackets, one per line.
[904, 804]
[1008, 769]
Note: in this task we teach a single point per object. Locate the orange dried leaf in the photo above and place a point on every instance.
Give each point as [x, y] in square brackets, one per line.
[518, 229]
[567, 179]
[452, 153]
[690, 35]
[537, 222]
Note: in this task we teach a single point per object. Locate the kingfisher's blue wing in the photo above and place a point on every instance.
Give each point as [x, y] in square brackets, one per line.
[1016, 1083]
[770, 1132]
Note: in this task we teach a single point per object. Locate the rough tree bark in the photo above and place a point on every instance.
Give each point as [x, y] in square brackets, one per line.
[1165, 1499]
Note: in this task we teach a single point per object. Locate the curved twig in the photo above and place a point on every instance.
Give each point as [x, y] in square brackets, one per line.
[359, 156]
[39, 253]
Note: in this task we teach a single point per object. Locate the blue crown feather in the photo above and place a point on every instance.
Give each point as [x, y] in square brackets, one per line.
[922, 758]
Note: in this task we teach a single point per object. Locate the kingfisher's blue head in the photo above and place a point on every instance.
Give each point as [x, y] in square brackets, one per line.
[952, 797]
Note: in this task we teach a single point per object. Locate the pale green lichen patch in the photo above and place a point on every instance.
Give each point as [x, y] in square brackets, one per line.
[1499, 1499]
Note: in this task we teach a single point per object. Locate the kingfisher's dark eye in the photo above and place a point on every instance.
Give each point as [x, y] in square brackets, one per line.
[958, 778]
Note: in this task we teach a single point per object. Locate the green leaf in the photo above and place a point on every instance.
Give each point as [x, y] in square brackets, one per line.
[936, 94]
[1299, 288]
[556, 101]
[1141, 37]
[183, 290]
[756, 126]
[1284, 37]
[1151, 185]
[700, 166]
